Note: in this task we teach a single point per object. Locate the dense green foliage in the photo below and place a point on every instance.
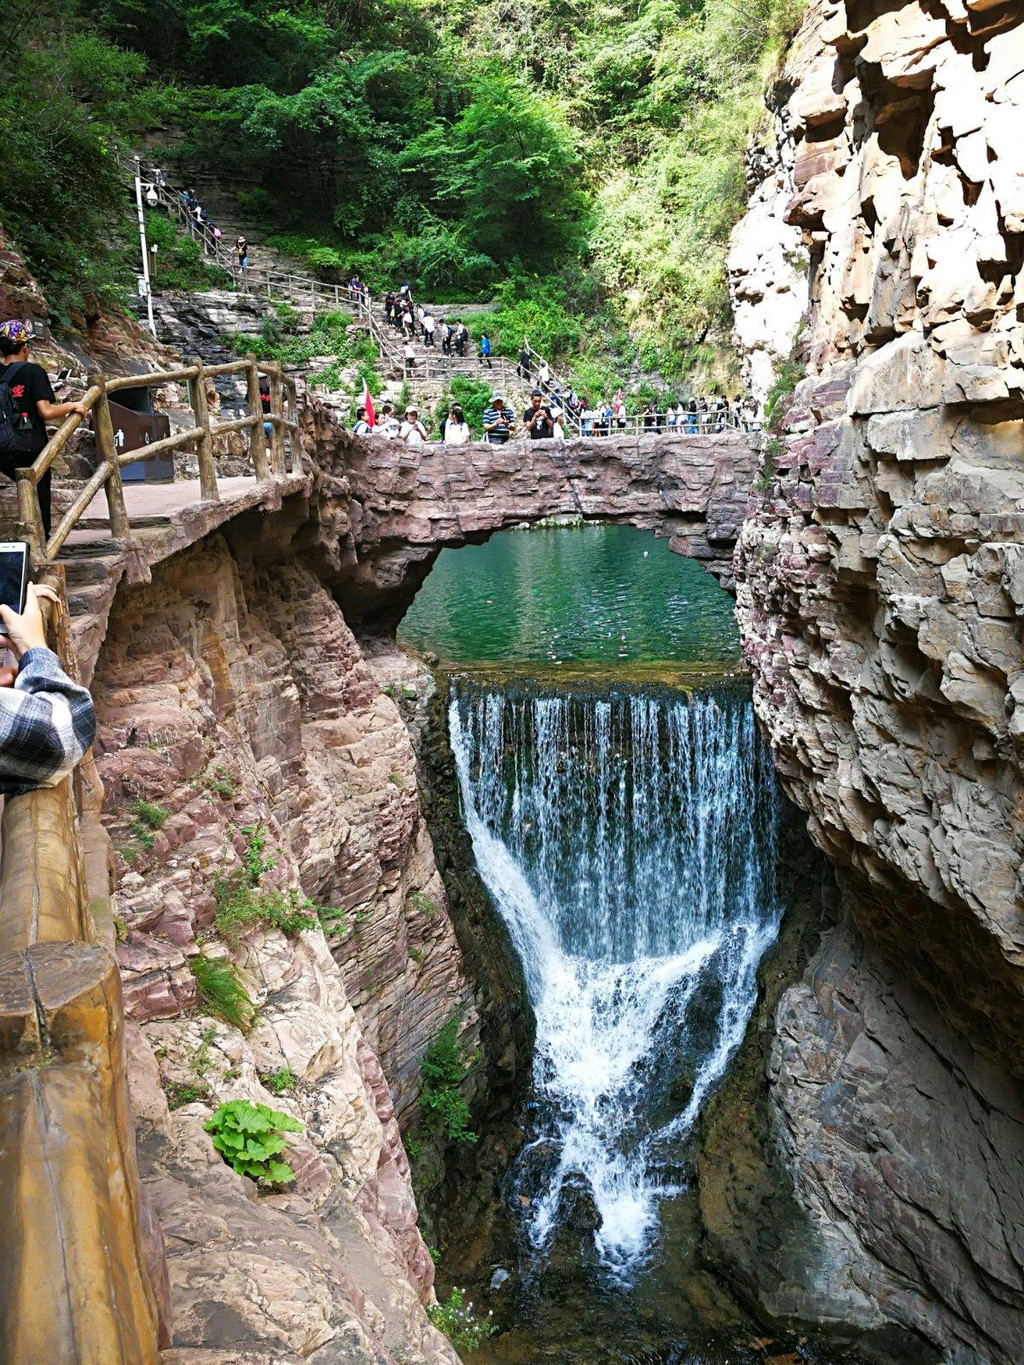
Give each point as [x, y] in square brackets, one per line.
[584, 163]
[180, 263]
[472, 394]
[443, 1068]
[331, 334]
[248, 1137]
[65, 94]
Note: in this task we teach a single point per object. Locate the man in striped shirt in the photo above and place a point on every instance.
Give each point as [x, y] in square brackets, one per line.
[498, 421]
[47, 721]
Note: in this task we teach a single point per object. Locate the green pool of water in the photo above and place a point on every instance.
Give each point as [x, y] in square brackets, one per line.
[572, 595]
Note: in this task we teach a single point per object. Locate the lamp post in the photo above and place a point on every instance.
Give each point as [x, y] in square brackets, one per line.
[145, 250]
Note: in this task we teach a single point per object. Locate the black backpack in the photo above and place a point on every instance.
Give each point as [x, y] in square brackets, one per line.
[15, 425]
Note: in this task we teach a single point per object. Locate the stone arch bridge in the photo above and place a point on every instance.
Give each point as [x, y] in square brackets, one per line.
[409, 503]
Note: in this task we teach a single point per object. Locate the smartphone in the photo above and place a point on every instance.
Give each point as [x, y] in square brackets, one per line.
[14, 563]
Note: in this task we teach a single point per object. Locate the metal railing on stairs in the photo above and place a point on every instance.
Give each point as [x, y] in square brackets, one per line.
[308, 292]
[301, 291]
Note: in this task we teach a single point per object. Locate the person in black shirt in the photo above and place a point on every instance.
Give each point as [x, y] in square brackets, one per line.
[537, 417]
[523, 368]
[31, 395]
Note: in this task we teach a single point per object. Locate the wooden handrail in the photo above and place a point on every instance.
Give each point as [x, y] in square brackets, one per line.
[110, 461]
[75, 512]
[69, 1189]
[152, 381]
[181, 440]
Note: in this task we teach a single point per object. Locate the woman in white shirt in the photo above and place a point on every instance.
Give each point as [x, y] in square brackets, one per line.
[456, 428]
[413, 432]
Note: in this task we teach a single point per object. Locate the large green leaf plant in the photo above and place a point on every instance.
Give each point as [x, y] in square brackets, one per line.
[249, 1138]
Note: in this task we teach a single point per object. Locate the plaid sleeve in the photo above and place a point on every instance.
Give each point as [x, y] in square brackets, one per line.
[47, 723]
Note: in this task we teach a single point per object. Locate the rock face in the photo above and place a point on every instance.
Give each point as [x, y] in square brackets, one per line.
[408, 502]
[880, 595]
[234, 700]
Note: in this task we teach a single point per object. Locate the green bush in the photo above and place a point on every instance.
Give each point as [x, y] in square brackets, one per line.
[443, 1068]
[249, 1138]
[332, 334]
[180, 261]
[424, 904]
[220, 991]
[180, 1093]
[473, 394]
[456, 1319]
[148, 813]
[242, 904]
[241, 907]
[279, 1082]
[253, 860]
[789, 375]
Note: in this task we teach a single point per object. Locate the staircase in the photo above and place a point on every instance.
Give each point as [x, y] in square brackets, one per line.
[280, 281]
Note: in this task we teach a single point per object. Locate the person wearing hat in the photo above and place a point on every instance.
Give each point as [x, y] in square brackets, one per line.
[412, 432]
[498, 421]
[32, 397]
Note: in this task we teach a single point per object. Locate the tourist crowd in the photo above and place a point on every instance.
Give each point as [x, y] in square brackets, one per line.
[413, 321]
[546, 417]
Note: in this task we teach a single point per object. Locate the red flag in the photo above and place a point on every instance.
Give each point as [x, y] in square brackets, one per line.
[371, 415]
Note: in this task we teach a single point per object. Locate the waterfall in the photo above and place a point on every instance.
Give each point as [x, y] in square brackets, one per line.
[628, 840]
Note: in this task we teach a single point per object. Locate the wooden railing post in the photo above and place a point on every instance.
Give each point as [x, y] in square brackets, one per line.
[204, 446]
[106, 453]
[277, 411]
[30, 517]
[257, 437]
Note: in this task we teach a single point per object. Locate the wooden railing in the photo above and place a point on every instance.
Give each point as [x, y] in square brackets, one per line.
[284, 451]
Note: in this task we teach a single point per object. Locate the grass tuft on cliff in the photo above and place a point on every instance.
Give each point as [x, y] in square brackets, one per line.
[220, 991]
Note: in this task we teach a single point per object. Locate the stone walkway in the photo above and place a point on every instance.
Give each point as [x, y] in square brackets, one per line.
[147, 502]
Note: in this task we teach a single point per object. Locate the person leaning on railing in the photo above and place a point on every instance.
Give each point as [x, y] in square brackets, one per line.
[32, 397]
[47, 722]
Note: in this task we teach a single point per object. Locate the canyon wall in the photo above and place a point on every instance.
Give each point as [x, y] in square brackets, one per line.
[880, 579]
[233, 698]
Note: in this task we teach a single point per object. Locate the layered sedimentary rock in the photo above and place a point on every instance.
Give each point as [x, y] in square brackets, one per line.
[233, 698]
[880, 589]
[408, 502]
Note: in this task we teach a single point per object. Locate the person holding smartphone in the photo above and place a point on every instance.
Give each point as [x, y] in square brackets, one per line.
[47, 721]
[537, 418]
[33, 397]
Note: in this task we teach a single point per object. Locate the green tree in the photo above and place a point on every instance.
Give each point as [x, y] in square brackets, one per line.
[508, 168]
[63, 103]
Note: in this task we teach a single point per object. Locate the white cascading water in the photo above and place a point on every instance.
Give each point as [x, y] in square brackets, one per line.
[628, 840]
